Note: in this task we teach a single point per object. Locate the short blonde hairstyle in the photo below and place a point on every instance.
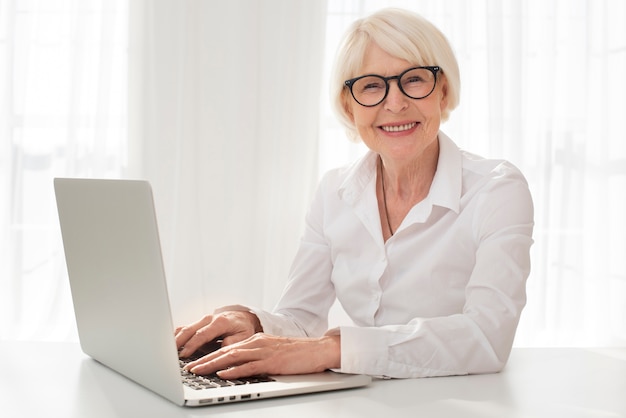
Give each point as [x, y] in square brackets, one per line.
[402, 34]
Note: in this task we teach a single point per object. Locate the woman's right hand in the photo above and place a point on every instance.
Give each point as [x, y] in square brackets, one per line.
[229, 326]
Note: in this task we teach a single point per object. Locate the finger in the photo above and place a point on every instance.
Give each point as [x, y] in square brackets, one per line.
[234, 339]
[219, 326]
[212, 357]
[223, 359]
[201, 337]
[223, 326]
[185, 333]
[252, 368]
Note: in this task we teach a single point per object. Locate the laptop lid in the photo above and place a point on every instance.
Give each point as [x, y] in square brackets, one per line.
[117, 280]
[121, 303]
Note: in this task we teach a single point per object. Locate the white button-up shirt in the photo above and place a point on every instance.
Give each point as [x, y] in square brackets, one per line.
[442, 296]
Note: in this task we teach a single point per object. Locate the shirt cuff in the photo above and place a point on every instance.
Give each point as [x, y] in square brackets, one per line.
[363, 350]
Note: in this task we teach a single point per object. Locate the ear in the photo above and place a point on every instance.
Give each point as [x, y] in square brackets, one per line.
[347, 105]
[444, 92]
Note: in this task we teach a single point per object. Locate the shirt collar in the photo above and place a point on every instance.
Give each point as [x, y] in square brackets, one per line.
[445, 190]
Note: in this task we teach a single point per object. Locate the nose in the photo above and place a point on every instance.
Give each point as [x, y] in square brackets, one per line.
[396, 101]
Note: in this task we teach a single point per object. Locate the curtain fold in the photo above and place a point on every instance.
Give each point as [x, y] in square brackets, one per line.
[223, 117]
[62, 113]
[541, 86]
[224, 106]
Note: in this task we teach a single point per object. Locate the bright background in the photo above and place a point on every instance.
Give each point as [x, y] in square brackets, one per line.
[223, 106]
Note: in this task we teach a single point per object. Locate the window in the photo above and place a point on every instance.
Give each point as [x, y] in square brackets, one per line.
[550, 99]
[63, 113]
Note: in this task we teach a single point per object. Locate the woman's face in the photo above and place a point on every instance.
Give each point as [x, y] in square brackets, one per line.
[399, 128]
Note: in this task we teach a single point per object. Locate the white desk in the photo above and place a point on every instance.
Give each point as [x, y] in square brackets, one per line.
[536, 383]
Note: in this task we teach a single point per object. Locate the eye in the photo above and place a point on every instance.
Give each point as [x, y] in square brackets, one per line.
[370, 85]
[413, 79]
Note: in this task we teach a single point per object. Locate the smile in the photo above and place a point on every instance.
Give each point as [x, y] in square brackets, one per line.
[399, 128]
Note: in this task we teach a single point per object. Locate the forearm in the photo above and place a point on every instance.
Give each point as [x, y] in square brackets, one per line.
[453, 345]
[279, 324]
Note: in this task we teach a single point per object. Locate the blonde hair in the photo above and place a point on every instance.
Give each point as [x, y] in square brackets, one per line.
[402, 34]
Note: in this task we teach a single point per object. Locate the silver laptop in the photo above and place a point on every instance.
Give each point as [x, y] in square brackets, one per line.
[118, 285]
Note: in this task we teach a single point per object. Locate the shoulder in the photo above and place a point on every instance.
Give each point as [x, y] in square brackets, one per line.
[493, 191]
[485, 174]
[472, 176]
[497, 193]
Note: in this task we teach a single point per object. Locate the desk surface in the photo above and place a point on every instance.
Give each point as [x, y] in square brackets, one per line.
[537, 382]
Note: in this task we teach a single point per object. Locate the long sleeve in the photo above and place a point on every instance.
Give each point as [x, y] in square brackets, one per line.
[442, 296]
[477, 339]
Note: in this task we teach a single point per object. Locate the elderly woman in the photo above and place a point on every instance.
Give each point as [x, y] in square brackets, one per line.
[425, 246]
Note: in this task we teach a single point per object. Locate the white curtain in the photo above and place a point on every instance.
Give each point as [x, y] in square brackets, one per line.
[543, 86]
[223, 121]
[62, 113]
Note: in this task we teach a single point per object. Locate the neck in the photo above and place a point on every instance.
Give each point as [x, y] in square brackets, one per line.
[410, 181]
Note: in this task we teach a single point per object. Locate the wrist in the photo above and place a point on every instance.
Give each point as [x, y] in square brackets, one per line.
[331, 345]
[254, 321]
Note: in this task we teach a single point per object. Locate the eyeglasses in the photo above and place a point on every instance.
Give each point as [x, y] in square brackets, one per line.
[371, 89]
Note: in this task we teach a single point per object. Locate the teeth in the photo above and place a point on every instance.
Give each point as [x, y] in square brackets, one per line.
[399, 128]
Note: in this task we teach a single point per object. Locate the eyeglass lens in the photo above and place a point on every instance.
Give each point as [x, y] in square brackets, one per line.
[416, 83]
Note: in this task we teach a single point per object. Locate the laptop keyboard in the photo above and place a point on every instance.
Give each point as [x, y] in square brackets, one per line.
[199, 382]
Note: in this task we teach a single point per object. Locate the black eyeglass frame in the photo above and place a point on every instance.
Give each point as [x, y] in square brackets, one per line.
[432, 68]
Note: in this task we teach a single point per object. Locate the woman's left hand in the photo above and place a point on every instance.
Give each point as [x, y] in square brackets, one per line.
[272, 355]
